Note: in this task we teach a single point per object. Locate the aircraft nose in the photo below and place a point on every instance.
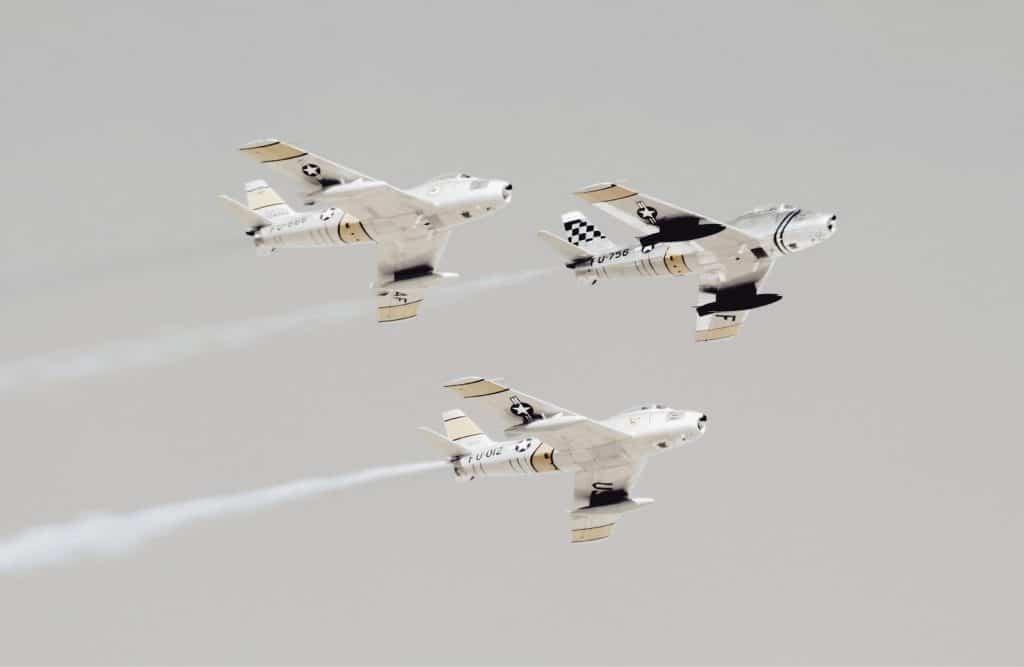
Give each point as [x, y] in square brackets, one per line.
[830, 224]
[702, 422]
[506, 192]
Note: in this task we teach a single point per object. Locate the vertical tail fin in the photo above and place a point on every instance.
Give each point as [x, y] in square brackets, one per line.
[463, 430]
[584, 235]
[263, 199]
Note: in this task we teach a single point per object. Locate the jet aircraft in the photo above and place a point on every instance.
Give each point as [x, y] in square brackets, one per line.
[410, 227]
[605, 456]
[731, 258]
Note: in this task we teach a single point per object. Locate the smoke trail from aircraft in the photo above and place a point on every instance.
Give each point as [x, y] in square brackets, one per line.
[101, 535]
[161, 350]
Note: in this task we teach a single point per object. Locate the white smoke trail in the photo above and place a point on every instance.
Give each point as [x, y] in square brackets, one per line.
[161, 350]
[101, 535]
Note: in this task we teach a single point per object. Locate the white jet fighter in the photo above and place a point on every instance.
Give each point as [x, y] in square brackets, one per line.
[730, 258]
[410, 227]
[606, 456]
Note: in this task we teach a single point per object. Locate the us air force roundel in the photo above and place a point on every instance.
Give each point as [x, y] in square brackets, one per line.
[648, 214]
[311, 170]
[522, 410]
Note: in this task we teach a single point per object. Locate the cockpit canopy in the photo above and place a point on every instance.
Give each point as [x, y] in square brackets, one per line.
[649, 406]
[763, 210]
[453, 176]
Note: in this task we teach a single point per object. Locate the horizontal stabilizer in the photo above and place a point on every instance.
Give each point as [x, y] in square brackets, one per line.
[573, 254]
[251, 219]
[451, 450]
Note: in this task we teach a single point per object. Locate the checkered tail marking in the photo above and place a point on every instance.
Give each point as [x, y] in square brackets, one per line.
[580, 232]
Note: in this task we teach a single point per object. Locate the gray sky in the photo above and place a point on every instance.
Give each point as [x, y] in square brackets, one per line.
[856, 499]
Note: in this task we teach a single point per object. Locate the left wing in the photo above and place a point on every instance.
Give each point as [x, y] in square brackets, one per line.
[657, 221]
[726, 294]
[601, 497]
[523, 414]
[360, 195]
[406, 256]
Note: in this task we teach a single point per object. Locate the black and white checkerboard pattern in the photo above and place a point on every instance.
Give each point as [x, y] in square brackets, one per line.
[581, 232]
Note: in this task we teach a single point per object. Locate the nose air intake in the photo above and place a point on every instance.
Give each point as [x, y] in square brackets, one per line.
[702, 422]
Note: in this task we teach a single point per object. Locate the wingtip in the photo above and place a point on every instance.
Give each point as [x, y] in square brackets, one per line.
[258, 143]
[458, 382]
[600, 193]
[595, 186]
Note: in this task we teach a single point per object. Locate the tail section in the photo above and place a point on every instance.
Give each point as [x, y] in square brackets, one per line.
[462, 430]
[573, 255]
[582, 234]
[251, 219]
[451, 450]
[264, 200]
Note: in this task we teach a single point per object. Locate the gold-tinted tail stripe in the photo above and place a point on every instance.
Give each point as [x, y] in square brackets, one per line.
[461, 427]
[262, 198]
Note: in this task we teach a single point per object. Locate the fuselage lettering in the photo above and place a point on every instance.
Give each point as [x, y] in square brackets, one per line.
[613, 255]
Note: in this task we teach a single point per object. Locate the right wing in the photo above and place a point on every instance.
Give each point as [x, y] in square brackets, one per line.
[360, 195]
[248, 217]
[528, 415]
[419, 252]
[600, 498]
[726, 293]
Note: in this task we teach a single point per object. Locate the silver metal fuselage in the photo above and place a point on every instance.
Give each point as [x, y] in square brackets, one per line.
[451, 201]
[780, 231]
[649, 430]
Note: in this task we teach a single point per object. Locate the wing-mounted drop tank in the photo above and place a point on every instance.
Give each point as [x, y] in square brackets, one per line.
[741, 297]
[417, 277]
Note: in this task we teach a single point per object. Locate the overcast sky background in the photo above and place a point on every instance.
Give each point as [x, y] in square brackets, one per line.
[857, 498]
